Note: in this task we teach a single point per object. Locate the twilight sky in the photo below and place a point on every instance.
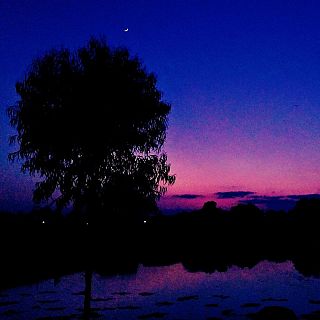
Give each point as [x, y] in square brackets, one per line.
[243, 78]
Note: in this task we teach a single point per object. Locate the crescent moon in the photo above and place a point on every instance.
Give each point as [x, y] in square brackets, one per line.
[126, 29]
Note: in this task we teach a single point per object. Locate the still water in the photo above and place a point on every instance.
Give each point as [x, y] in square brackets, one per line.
[168, 292]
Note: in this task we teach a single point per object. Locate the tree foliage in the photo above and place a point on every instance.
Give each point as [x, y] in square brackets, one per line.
[91, 123]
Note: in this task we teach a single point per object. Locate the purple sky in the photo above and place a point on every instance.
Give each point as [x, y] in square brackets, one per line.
[243, 78]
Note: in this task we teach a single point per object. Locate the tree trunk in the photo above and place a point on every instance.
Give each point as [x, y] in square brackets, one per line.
[88, 274]
[87, 294]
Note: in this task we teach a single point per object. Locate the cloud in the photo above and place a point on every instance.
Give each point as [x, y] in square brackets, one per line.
[304, 196]
[271, 203]
[233, 194]
[286, 202]
[188, 196]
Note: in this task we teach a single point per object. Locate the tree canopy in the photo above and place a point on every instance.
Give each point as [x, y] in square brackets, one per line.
[91, 124]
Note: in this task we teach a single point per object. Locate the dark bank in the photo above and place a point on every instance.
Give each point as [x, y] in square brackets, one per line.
[44, 244]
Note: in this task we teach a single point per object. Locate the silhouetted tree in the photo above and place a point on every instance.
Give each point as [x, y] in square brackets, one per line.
[91, 123]
[209, 206]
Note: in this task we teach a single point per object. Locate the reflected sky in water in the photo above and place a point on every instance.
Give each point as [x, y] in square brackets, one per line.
[169, 291]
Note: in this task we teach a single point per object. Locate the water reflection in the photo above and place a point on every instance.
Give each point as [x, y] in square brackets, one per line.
[170, 292]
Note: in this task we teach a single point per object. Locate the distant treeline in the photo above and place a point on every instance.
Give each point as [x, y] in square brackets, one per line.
[244, 225]
[45, 244]
[306, 211]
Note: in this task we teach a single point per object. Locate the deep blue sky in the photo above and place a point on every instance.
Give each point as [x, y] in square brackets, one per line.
[243, 78]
